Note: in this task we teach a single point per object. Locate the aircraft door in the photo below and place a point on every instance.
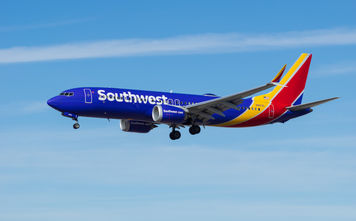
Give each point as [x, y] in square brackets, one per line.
[271, 111]
[88, 96]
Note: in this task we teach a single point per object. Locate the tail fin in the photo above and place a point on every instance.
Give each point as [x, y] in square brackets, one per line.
[290, 89]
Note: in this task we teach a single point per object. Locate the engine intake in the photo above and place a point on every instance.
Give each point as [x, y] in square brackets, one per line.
[136, 126]
[168, 114]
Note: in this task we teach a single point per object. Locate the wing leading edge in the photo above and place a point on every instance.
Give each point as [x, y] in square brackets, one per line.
[205, 110]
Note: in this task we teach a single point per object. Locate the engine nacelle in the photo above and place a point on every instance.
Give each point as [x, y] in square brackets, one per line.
[136, 126]
[168, 114]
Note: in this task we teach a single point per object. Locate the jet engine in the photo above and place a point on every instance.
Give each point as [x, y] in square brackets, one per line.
[136, 126]
[168, 114]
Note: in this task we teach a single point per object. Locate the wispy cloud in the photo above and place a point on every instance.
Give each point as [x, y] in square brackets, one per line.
[325, 142]
[345, 68]
[189, 44]
[191, 209]
[110, 131]
[23, 108]
[44, 169]
[42, 25]
[235, 166]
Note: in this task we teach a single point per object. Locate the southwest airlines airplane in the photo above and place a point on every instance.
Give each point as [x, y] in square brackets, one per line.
[141, 111]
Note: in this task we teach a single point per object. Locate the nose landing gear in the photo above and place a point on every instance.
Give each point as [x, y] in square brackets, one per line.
[76, 125]
[73, 117]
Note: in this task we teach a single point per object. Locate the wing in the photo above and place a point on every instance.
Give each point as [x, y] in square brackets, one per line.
[309, 105]
[205, 110]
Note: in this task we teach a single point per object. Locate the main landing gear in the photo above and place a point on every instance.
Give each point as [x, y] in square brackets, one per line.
[195, 129]
[175, 134]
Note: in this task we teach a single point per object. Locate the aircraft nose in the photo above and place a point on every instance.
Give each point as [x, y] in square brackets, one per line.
[53, 102]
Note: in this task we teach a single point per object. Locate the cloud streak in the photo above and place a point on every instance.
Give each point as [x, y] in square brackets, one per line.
[23, 108]
[346, 68]
[42, 25]
[100, 170]
[189, 44]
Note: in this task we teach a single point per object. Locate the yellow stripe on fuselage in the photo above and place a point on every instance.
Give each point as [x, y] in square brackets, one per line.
[288, 76]
[258, 102]
[265, 99]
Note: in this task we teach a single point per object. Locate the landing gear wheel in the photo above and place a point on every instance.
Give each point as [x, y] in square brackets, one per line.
[76, 126]
[174, 135]
[194, 129]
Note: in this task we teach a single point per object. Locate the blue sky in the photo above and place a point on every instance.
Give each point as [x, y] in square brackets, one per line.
[304, 169]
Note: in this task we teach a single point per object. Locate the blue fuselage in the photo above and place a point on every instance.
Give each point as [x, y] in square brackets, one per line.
[118, 103]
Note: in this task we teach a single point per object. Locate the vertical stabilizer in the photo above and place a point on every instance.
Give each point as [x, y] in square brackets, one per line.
[291, 88]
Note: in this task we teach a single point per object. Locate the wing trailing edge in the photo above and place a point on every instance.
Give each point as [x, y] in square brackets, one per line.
[206, 109]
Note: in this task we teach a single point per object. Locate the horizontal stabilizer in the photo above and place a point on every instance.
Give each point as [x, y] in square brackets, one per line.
[309, 105]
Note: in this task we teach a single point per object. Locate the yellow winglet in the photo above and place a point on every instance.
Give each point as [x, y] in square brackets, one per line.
[279, 75]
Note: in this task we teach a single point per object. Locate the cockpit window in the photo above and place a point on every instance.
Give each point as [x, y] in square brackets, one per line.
[67, 94]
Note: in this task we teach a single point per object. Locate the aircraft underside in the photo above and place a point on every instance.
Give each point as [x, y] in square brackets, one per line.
[141, 111]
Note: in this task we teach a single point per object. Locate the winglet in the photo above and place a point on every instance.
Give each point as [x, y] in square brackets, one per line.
[277, 78]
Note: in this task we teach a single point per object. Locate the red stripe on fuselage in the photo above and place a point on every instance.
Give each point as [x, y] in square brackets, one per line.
[284, 98]
[294, 87]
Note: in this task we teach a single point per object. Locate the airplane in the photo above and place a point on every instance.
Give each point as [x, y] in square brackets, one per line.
[140, 111]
